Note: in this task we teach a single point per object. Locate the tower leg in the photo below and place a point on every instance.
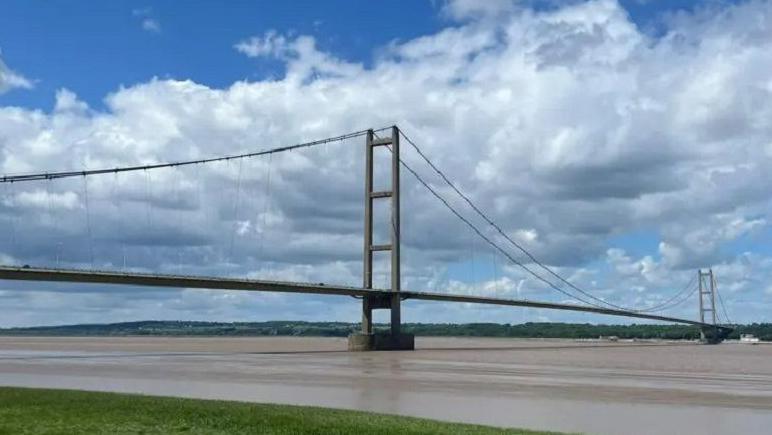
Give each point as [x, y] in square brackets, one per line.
[367, 316]
[394, 339]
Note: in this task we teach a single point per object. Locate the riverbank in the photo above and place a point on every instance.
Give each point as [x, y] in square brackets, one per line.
[33, 411]
[598, 387]
[341, 329]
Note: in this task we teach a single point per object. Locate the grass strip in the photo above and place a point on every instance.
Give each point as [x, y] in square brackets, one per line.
[41, 411]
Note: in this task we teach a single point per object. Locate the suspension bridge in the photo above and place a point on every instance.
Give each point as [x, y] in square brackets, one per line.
[392, 296]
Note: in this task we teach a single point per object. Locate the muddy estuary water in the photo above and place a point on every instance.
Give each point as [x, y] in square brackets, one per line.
[603, 388]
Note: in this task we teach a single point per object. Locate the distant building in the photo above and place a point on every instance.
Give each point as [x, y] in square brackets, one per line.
[748, 338]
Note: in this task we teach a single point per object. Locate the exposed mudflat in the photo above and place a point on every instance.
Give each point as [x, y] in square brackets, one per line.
[613, 388]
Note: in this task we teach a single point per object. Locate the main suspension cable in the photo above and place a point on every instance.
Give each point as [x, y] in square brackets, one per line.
[680, 301]
[721, 301]
[667, 304]
[487, 239]
[66, 174]
[506, 237]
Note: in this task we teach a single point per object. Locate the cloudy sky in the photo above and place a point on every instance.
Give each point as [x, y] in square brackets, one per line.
[624, 143]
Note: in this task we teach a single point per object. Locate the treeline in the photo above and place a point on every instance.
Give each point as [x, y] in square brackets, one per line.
[184, 328]
[341, 329]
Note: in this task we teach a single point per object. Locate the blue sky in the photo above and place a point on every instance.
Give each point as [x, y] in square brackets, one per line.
[92, 48]
[667, 108]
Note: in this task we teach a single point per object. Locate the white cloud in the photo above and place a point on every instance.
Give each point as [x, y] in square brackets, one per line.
[151, 25]
[693, 244]
[148, 21]
[270, 44]
[471, 9]
[303, 60]
[570, 125]
[527, 236]
[10, 79]
[41, 199]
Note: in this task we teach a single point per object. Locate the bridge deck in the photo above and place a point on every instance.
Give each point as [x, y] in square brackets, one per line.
[201, 282]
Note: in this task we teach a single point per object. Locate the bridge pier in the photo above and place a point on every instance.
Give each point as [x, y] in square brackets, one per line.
[368, 340]
[713, 335]
[394, 339]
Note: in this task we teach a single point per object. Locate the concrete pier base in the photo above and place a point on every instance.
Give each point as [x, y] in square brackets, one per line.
[369, 342]
[713, 335]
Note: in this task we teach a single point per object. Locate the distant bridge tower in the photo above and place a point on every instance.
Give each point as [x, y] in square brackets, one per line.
[707, 289]
[707, 297]
[395, 339]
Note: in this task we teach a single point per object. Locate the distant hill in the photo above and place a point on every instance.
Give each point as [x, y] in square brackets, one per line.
[341, 329]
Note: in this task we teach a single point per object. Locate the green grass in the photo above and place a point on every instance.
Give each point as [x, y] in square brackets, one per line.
[35, 411]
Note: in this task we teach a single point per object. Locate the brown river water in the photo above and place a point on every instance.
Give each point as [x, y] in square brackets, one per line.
[563, 385]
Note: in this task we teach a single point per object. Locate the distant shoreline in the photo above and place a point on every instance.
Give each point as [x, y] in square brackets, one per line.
[343, 329]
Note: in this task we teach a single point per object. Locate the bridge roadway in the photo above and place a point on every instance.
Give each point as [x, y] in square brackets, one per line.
[213, 283]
